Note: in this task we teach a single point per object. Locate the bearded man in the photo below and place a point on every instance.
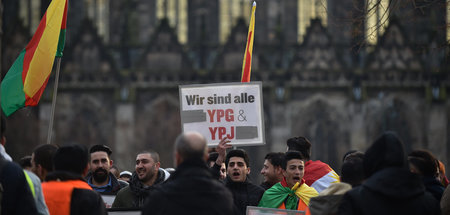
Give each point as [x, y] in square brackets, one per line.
[147, 174]
[100, 178]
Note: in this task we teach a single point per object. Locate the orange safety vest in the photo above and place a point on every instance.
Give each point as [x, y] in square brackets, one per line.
[301, 206]
[58, 195]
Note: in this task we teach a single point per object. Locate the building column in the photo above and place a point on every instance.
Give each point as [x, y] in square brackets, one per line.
[124, 137]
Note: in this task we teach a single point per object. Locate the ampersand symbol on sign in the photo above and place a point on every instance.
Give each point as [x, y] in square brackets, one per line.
[241, 116]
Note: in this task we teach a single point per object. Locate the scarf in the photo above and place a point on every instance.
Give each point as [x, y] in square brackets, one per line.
[280, 192]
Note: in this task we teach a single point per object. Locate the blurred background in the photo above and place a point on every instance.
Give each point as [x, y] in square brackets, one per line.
[339, 72]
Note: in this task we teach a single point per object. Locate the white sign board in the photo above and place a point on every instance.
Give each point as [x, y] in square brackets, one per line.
[108, 199]
[252, 210]
[233, 110]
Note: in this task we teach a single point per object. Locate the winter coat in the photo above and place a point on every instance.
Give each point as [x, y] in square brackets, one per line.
[190, 190]
[328, 201]
[82, 201]
[134, 195]
[16, 197]
[266, 185]
[390, 191]
[390, 188]
[244, 194]
[116, 185]
[433, 186]
[445, 201]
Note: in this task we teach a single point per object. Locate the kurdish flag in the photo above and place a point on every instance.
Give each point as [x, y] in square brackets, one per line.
[247, 63]
[25, 81]
[319, 175]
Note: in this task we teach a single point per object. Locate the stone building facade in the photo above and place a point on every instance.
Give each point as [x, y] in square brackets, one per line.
[120, 88]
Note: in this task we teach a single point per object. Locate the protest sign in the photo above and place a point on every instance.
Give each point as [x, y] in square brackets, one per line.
[252, 210]
[108, 199]
[233, 110]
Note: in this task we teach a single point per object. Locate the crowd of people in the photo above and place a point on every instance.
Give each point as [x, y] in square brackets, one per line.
[72, 179]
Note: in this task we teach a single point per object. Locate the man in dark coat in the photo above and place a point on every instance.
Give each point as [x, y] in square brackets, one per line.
[191, 189]
[390, 188]
[244, 192]
[146, 176]
[65, 190]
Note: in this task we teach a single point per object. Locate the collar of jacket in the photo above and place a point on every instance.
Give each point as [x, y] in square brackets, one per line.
[138, 187]
[188, 164]
[63, 176]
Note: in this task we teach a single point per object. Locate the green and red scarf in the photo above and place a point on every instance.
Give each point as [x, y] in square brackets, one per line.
[280, 192]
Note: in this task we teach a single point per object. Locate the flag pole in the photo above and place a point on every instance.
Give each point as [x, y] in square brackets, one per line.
[247, 61]
[55, 92]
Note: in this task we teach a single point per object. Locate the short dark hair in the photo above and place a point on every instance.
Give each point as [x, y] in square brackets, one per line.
[353, 154]
[275, 158]
[291, 155]
[237, 153]
[348, 153]
[43, 155]
[100, 148]
[71, 158]
[212, 157]
[352, 171]
[424, 161]
[300, 144]
[154, 155]
[25, 162]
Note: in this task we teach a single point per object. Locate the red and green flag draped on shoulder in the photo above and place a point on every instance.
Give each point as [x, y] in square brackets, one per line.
[25, 81]
[280, 193]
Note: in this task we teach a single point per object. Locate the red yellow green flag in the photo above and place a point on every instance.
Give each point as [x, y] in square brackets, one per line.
[25, 81]
[247, 62]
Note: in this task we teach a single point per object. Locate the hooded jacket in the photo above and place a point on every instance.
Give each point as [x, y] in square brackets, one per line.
[190, 190]
[390, 188]
[134, 195]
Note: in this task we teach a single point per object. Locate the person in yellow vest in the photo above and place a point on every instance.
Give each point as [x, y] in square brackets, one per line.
[65, 190]
[292, 192]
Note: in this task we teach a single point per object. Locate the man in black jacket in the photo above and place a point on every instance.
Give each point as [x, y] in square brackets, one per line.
[390, 188]
[244, 192]
[65, 190]
[191, 189]
[146, 176]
